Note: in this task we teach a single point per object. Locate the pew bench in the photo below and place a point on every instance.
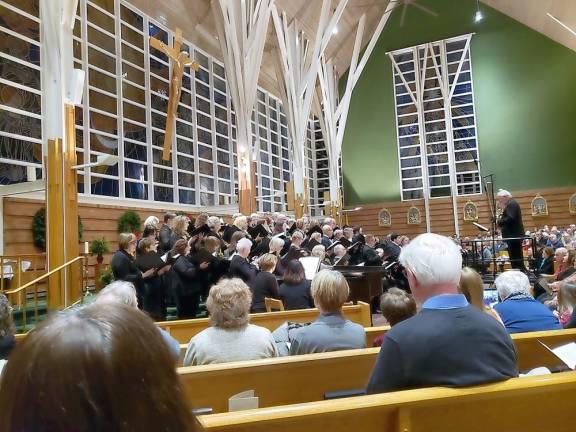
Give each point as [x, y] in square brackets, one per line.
[531, 404]
[307, 378]
[184, 330]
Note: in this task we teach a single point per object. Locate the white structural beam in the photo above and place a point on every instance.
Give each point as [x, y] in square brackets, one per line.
[332, 110]
[297, 68]
[242, 29]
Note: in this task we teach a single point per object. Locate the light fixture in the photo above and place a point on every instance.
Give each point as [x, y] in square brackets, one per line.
[335, 31]
[571, 30]
[107, 160]
[478, 16]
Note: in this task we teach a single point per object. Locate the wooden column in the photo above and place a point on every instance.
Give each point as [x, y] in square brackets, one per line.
[55, 221]
[71, 240]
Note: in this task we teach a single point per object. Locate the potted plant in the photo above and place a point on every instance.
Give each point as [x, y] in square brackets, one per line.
[99, 247]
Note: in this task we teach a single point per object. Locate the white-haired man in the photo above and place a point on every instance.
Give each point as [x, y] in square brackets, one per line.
[510, 223]
[519, 311]
[449, 342]
[125, 293]
[240, 267]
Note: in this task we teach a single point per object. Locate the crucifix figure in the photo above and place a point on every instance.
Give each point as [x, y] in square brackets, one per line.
[179, 60]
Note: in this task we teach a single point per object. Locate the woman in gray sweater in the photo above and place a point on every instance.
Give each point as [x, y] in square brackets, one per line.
[230, 337]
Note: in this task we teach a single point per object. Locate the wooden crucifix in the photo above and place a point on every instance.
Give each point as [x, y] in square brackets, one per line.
[179, 60]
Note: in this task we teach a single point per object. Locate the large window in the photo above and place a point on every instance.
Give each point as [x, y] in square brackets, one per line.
[436, 124]
[123, 113]
[20, 92]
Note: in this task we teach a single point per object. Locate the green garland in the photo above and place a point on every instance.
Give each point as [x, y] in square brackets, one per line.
[39, 228]
[129, 222]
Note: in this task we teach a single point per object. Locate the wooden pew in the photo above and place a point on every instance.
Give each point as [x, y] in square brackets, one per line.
[306, 378]
[183, 330]
[532, 404]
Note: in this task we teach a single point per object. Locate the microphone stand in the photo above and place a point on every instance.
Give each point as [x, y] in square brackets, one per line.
[489, 192]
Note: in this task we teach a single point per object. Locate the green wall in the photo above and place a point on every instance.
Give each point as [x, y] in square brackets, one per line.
[525, 94]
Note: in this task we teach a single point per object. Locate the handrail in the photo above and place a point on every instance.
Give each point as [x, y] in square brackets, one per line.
[44, 276]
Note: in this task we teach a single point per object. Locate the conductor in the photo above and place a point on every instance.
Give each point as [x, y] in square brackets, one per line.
[511, 225]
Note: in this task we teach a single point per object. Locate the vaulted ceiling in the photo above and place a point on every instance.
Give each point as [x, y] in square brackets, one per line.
[197, 22]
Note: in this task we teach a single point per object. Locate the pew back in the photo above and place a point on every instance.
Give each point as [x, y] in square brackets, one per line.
[307, 378]
[531, 404]
[184, 330]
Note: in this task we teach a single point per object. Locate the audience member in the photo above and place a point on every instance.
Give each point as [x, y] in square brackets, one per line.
[472, 286]
[449, 343]
[93, 368]
[7, 329]
[295, 288]
[331, 331]
[120, 292]
[230, 336]
[265, 284]
[519, 311]
[567, 301]
[396, 306]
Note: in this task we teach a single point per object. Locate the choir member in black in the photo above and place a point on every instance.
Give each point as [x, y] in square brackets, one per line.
[370, 256]
[510, 223]
[341, 256]
[265, 284]
[123, 266]
[231, 249]
[346, 239]
[392, 248]
[240, 267]
[180, 229]
[295, 251]
[215, 226]
[185, 280]
[276, 246]
[358, 236]
[164, 237]
[295, 288]
[149, 232]
[240, 224]
[153, 287]
[209, 251]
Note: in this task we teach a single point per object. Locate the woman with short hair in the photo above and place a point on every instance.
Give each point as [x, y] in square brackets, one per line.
[7, 329]
[295, 288]
[319, 251]
[265, 284]
[275, 247]
[331, 331]
[123, 266]
[101, 367]
[230, 337]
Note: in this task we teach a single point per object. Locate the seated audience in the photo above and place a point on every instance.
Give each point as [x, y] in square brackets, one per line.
[519, 311]
[449, 342]
[265, 284]
[295, 288]
[7, 329]
[331, 331]
[119, 292]
[546, 265]
[472, 286]
[396, 306]
[230, 337]
[567, 301]
[93, 368]
[240, 267]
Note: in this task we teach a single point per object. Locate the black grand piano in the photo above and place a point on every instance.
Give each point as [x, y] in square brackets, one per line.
[365, 282]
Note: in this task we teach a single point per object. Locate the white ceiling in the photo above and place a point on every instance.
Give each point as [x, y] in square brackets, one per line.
[196, 20]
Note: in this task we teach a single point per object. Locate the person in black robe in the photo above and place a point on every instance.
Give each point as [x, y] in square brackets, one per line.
[153, 301]
[510, 223]
[165, 234]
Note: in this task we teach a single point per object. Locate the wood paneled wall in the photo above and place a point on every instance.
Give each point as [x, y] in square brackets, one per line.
[442, 217]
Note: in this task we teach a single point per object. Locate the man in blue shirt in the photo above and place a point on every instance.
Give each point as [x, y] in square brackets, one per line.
[519, 311]
[449, 342]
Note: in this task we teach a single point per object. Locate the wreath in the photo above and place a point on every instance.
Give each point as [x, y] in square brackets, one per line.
[129, 222]
[39, 228]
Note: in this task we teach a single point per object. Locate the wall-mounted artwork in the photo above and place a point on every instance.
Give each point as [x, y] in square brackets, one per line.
[470, 212]
[572, 204]
[539, 206]
[413, 217]
[384, 218]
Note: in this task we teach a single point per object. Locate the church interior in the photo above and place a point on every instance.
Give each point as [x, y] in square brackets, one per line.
[287, 215]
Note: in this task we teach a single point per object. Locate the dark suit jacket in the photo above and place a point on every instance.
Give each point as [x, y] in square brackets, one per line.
[511, 220]
[241, 268]
[370, 257]
[228, 231]
[265, 285]
[164, 240]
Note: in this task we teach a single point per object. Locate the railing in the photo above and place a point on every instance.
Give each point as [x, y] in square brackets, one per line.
[29, 294]
[18, 269]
